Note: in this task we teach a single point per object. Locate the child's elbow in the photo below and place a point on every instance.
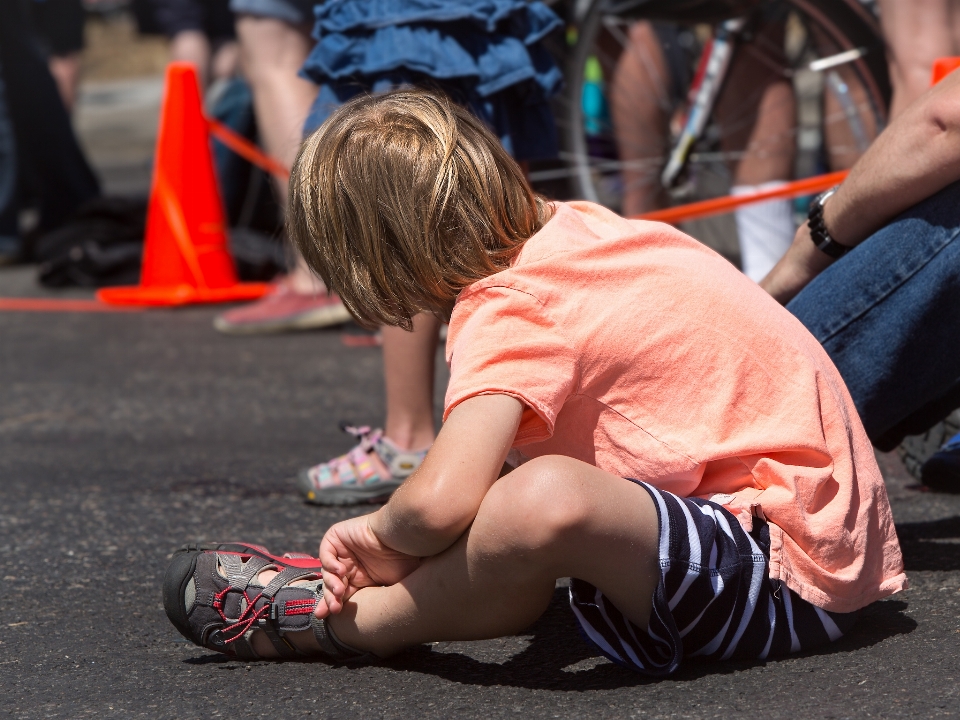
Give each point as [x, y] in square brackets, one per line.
[434, 519]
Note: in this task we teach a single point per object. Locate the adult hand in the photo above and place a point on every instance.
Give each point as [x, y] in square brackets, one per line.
[801, 264]
[353, 558]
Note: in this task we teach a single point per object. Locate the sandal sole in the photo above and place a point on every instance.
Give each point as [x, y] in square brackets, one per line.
[310, 320]
[351, 495]
[179, 572]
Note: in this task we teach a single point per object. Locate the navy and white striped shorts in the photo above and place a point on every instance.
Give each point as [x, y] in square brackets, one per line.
[715, 598]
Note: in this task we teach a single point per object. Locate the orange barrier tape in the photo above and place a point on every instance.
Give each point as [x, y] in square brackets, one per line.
[247, 150]
[681, 213]
[60, 305]
[721, 205]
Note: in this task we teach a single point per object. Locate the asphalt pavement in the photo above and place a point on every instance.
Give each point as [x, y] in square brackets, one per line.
[124, 435]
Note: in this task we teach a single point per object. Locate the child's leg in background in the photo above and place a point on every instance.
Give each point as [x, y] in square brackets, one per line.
[408, 367]
[552, 517]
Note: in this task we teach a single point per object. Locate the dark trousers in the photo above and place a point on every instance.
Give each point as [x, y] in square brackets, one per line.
[48, 158]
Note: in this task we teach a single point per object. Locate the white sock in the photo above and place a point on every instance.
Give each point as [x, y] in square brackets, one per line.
[766, 230]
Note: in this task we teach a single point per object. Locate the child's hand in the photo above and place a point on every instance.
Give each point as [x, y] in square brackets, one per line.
[354, 558]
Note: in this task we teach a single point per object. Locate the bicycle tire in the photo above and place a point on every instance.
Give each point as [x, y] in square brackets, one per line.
[844, 23]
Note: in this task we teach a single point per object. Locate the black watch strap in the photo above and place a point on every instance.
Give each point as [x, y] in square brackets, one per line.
[818, 230]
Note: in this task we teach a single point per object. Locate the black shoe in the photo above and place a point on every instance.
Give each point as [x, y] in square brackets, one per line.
[942, 471]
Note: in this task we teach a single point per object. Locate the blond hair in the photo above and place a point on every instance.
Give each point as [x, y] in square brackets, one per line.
[401, 200]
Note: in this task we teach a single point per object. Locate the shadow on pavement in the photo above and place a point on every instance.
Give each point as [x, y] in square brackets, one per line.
[557, 658]
[931, 545]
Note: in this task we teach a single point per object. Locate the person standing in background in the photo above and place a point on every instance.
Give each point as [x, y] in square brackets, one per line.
[917, 33]
[58, 27]
[44, 155]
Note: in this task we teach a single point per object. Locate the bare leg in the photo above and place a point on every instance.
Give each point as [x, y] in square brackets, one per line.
[272, 53]
[917, 33]
[757, 111]
[408, 367]
[192, 46]
[757, 116]
[640, 109]
[226, 60]
[552, 517]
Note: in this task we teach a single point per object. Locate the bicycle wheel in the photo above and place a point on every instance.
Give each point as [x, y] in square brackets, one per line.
[840, 108]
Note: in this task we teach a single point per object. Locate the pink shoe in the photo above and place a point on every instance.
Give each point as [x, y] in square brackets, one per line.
[283, 309]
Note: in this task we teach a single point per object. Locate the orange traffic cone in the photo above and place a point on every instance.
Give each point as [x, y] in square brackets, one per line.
[185, 257]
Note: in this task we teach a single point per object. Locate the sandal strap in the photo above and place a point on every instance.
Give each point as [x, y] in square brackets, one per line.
[239, 573]
[401, 464]
[284, 649]
[243, 648]
[285, 577]
[355, 467]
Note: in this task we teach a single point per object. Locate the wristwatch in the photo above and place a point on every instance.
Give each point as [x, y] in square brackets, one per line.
[818, 230]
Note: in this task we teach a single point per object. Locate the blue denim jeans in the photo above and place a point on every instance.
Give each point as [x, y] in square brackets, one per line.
[888, 314]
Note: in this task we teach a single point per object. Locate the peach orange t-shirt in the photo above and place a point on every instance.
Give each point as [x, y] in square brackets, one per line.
[640, 351]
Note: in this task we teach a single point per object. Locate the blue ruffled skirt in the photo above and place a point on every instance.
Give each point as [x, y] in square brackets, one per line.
[486, 54]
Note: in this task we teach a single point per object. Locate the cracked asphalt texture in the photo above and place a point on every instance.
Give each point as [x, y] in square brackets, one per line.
[124, 435]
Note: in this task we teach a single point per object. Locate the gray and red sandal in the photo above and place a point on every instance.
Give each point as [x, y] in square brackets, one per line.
[212, 595]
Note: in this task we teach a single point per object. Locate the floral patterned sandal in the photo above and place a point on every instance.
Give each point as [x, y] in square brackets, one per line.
[370, 472]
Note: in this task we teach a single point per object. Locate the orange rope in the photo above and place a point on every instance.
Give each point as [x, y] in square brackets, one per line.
[718, 206]
[247, 150]
[243, 147]
[681, 213]
[60, 305]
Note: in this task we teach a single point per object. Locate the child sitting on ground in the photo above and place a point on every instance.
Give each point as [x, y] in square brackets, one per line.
[584, 349]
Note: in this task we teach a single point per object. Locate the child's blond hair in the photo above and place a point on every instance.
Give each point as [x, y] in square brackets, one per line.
[401, 200]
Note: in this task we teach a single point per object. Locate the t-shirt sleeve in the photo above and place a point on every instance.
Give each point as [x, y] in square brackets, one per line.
[503, 341]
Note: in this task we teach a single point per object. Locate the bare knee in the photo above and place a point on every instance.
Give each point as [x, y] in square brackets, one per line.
[534, 507]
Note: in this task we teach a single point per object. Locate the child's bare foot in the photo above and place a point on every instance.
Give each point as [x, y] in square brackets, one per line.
[241, 600]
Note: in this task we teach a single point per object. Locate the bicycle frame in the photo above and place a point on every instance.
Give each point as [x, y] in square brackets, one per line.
[708, 82]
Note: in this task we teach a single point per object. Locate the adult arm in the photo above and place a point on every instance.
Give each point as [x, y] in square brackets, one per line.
[915, 157]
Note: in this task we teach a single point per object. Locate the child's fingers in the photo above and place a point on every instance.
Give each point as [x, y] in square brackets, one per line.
[322, 610]
[334, 586]
[327, 606]
[333, 604]
[329, 557]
